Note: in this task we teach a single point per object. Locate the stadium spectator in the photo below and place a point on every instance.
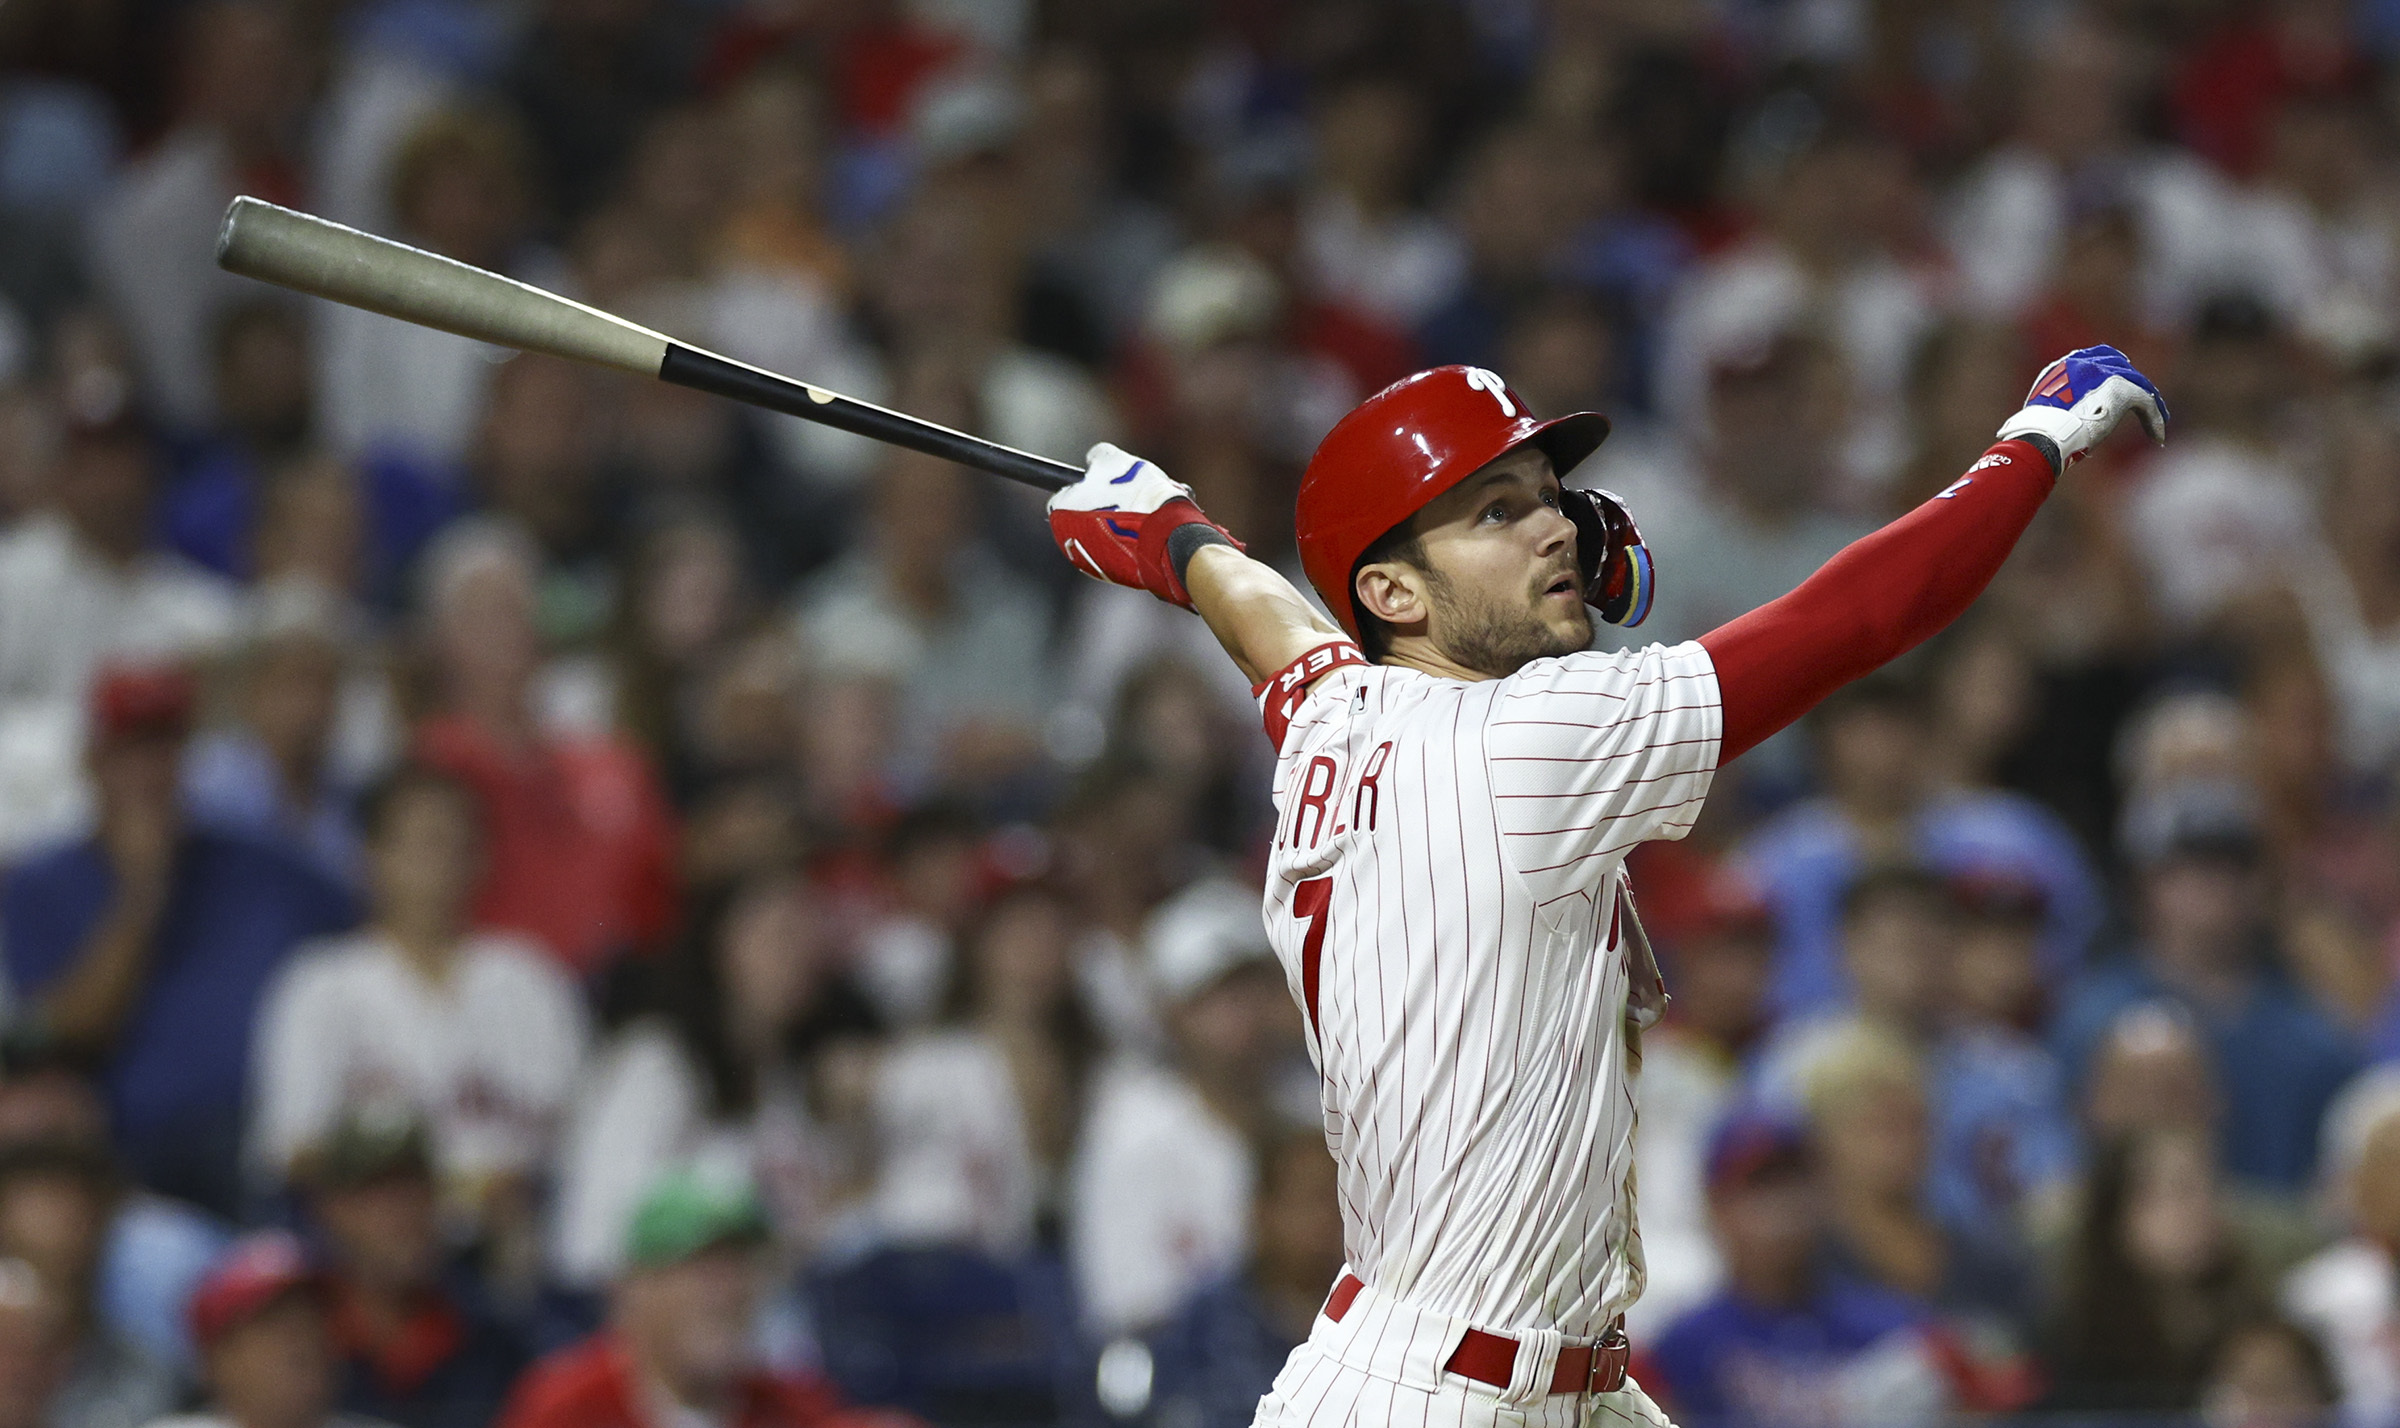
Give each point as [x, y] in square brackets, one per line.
[1160, 1202]
[149, 945]
[2218, 518]
[1692, 1066]
[742, 1052]
[682, 1318]
[243, 80]
[922, 602]
[1866, 1097]
[273, 772]
[1218, 1355]
[265, 409]
[941, 287]
[418, 1340]
[84, 583]
[2348, 1294]
[576, 831]
[1366, 246]
[2201, 916]
[155, 1251]
[931, 874]
[57, 1201]
[1784, 1341]
[214, 512]
[262, 1321]
[2154, 1276]
[479, 1033]
[460, 186]
[1879, 805]
[2004, 1137]
[1754, 515]
[975, 1121]
[2351, 601]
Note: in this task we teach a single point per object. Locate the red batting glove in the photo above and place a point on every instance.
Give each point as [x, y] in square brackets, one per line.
[1114, 524]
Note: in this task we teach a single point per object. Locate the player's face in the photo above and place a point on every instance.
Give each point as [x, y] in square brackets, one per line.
[1501, 580]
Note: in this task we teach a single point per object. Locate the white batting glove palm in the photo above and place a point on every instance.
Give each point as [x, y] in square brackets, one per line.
[2079, 399]
[1115, 524]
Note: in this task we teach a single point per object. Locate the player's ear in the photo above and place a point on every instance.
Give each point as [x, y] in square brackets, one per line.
[1393, 592]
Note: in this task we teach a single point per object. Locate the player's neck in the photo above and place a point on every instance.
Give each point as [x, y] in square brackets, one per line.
[1422, 655]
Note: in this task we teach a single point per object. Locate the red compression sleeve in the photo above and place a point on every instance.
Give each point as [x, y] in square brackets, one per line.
[1884, 595]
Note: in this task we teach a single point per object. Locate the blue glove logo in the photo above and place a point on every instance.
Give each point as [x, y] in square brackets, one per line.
[2080, 373]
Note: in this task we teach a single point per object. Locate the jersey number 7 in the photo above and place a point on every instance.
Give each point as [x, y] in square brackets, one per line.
[1312, 900]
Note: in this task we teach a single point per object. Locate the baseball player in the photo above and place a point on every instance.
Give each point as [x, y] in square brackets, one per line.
[1458, 780]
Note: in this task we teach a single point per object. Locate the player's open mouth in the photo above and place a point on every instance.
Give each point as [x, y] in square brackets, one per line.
[1563, 585]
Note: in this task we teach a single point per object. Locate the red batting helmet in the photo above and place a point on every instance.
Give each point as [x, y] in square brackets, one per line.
[1403, 447]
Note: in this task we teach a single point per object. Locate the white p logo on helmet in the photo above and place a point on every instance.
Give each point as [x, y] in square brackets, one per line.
[1484, 380]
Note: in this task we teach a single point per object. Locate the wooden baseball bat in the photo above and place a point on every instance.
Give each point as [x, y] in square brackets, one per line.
[312, 255]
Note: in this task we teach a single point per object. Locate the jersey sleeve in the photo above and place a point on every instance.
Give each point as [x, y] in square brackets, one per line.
[1282, 693]
[1596, 752]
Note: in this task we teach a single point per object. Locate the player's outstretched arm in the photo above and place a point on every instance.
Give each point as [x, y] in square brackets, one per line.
[1129, 523]
[1889, 592]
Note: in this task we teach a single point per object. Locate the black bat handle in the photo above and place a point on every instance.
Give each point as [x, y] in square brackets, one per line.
[707, 372]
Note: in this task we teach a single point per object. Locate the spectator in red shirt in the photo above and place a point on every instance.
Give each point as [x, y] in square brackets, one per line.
[580, 845]
[677, 1346]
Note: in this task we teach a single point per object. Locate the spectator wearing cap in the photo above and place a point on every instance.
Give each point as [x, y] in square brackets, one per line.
[1999, 1128]
[262, 1321]
[1219, 1355]
[2003, 1134]
[682, 1318]
[479, 1032]
[1692, 1065]
[1160, 1200]
[577, 836]
[1784, 1341]
[1881, 804]
[419, 1343]
[148, 946]
[2201, 922]
[81, 585]
[58, 1200]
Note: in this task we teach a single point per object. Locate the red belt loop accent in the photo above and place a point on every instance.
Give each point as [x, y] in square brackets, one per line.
[1345, 1292]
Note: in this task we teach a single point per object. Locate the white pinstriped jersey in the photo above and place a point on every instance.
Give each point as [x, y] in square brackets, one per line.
[1444, 895]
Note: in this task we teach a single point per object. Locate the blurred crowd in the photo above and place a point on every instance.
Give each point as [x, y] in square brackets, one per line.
[536, 898]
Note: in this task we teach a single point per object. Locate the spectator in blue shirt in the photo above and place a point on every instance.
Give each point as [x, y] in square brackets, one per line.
[1219, 1355]
[1874, 757]
[2202, 909]
[146, 946]
[1785, 1343]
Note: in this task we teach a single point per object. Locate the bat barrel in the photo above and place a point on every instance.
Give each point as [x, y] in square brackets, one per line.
[311, 255]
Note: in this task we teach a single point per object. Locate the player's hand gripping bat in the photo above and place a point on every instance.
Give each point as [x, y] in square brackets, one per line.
[312, 255]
